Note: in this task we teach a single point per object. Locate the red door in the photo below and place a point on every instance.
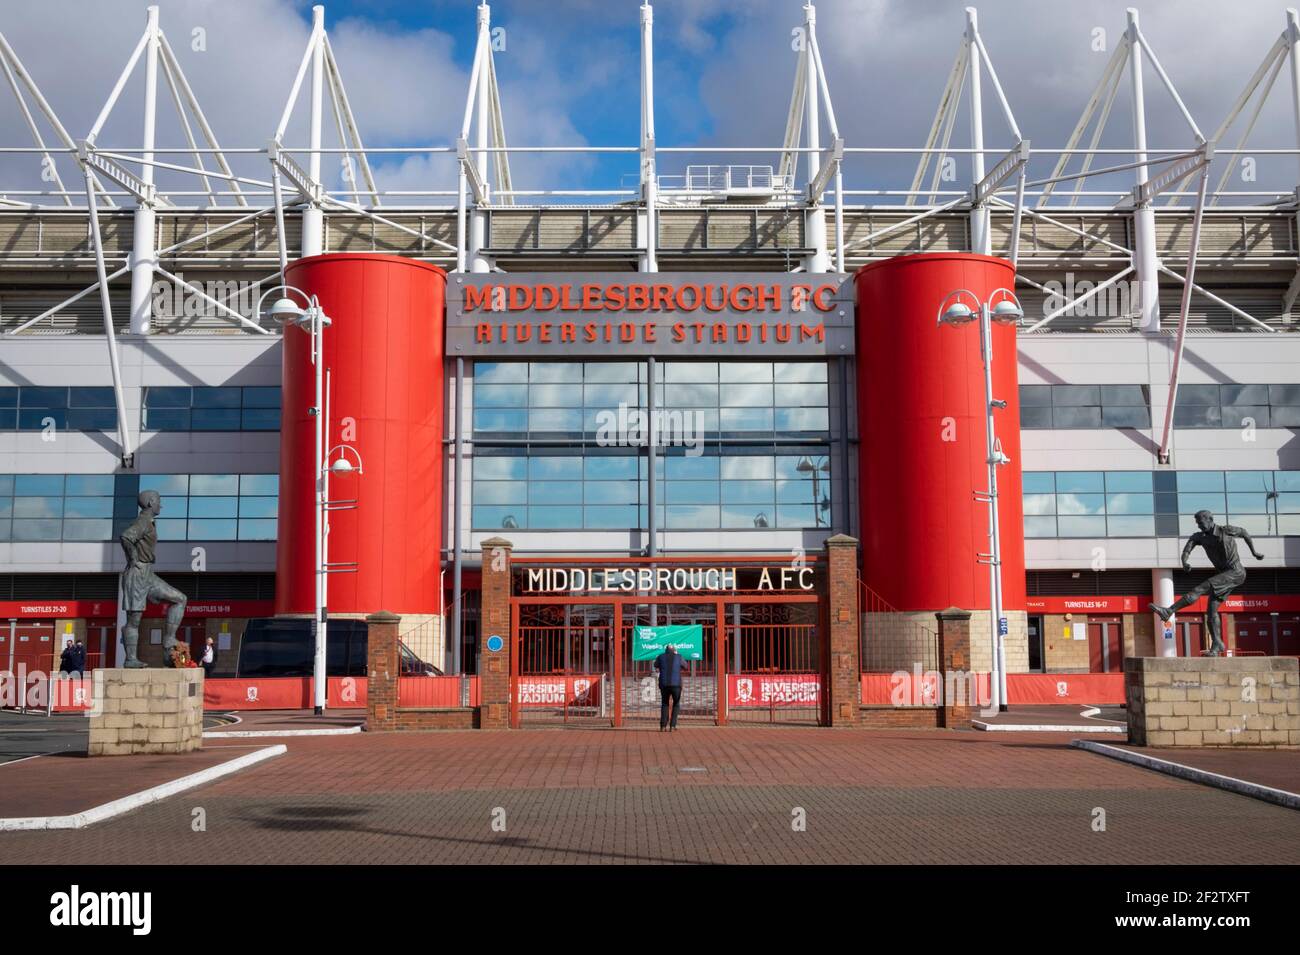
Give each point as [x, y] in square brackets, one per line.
[1189, 636]
[101, 644]
[1256, 634]
[1104, 647]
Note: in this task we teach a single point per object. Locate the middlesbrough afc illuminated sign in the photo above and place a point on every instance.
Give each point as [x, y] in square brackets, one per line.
[668, 313]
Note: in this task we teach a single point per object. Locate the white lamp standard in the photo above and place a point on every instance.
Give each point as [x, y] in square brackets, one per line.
[1005, 310]
[311, 318]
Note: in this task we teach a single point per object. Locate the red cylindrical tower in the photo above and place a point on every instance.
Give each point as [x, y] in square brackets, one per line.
[384, 354]
[922, 436]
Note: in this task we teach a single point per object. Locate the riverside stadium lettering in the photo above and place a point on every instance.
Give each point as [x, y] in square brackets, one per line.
[542, 580]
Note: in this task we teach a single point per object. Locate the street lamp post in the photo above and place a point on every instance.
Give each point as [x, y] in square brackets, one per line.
[1005, 311]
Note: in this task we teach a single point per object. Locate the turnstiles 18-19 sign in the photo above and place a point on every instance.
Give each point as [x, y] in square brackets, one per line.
[687, 639]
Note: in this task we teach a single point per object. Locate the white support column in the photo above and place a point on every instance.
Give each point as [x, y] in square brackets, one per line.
[1145, 261]
[1162, 591]
[981, 242]
[478, 262]
[1293, 54]
[647, 218]
[144, 232]
[313, 219]
[815, 218]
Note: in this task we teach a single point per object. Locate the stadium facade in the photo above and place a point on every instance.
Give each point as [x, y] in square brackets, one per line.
[495, 367]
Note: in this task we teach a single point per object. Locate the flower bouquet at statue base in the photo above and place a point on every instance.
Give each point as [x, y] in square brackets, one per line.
[179, 655]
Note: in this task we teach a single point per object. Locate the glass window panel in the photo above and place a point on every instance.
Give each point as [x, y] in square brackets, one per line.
[168, 397]
[1259, 525]
[746, 396]
[611, 492]
[82, 397]
[745, 371]
[1189, 504]
[609, 467]
[800, 371]
[746, 419]
[609, 395]
[260, 419]
[1126, 417]
[747, 515]
[1035, 418]
[1198, 394]
[1076, 417]
[608, 516]
[683, 371]
[500, 396]
[261, 507]
[1283, 395]
[515, 421]
[616, 372]
[801, 467]
[555, 518]
[6, 507]
[1139, 481]
[6, 532]
[1035, 396]
[748, 492]
[92, 419]
[500, 372]
[1249, 480]
[1080, 482]
[89, 484]
[259, 484]
[215, 419]
[257, 530]
[555, 396]
[1239, 416]
[1288, 503]
[555, 372]
[747, 467]
[1123, 395]
[1040, 526]
[166, 484]
[1040, 504]
[6, 484]
[498, 517]
[688, 395]
[170, 529]
[500, 492]
[1193, 416]
[1286, 416]
[1200, 480]
[500, 468]
[691, 492]
[34, 484]
[555, 492]
[1081, 526]
[686, 467]
[38, 506]
[554, 419]
[1130, 526]
[261, 397]
[88, 507]
[88, 530]
[796, 515]
[802, 419]
[1243, 394]
[37, 530]
[40, 418]
[212, 530]
[218, 397]
[214, 484]
[800, 492]
[1125, 503]
[33, 396]
[692, 517]
[1080, 503]
[800, 396]
[167, 419]
[8, 419]
[643, 467]
[1244, 503]
[213, 507]
[174, 507]
[1074, 396]
[555, 469]
[1287, 480]
[8, 397]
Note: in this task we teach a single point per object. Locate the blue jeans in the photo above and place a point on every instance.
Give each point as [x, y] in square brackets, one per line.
[667, 693]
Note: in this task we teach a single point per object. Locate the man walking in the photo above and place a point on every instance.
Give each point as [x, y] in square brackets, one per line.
[1220, 546]
[669, 665]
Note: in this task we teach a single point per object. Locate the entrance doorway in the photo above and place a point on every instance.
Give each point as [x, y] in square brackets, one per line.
[1190, 640]
[1105, 653]
[1035, 630]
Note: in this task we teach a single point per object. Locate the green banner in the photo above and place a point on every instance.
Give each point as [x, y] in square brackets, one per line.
[649, 642]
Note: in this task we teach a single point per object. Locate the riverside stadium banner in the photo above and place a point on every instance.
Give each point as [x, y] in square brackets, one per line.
[620, 314]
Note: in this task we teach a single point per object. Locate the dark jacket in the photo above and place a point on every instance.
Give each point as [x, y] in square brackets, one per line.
[669, 666]
[68, 660]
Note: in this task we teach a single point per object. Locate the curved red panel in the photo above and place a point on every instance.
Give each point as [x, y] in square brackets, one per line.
[384, 352]
[921, 428]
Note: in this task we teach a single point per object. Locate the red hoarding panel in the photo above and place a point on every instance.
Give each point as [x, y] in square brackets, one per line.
[773, 689]
[921, 421]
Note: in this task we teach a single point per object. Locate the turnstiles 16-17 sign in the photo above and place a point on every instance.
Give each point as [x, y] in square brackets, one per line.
[687, 639]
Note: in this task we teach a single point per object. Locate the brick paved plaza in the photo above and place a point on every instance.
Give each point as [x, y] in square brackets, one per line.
[707, 795]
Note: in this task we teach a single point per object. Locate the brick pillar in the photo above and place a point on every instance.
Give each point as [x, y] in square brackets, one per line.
[494, 621]
[382, 670]
[843, 682]
[959, 689]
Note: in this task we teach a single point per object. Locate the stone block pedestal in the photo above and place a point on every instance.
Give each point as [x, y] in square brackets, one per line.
[1213, 701]
[147, 710]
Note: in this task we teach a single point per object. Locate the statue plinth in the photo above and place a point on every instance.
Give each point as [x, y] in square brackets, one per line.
[146, 710]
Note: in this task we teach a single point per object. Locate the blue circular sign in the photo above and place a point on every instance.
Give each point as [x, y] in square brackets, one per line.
[495, 643]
